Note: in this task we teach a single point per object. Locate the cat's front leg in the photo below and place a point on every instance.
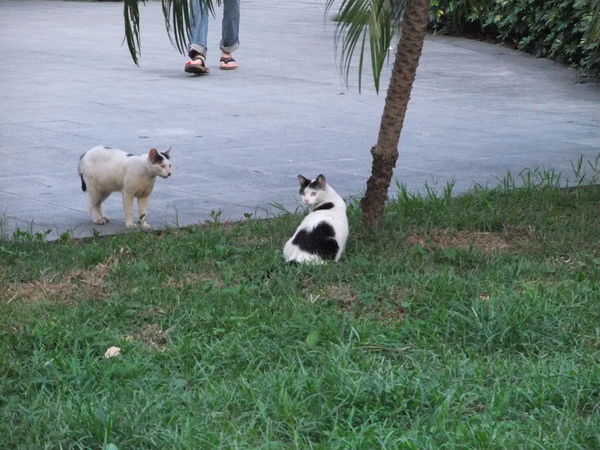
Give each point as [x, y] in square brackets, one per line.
[128, 208]
[142, 208]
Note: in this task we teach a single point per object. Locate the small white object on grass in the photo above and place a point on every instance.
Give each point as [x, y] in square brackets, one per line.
[112, 351]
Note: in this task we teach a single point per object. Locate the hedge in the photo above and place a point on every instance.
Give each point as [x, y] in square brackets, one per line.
[550, 29]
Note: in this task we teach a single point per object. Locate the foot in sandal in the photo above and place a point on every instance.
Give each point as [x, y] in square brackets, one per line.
[227, 62]
[197, 65]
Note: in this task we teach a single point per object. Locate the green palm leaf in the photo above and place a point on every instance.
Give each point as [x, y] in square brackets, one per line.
[131, 13]
[178, 19]
[593, 34]
[366, 21]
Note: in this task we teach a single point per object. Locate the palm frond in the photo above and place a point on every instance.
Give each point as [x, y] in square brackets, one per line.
[178, 20]
[131, 13]
[593, 34]
[362, 21]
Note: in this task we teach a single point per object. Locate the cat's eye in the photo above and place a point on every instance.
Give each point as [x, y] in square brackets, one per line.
[312, 194]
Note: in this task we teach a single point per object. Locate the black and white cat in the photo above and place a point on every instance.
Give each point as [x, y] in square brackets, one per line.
[105, 170]
[323, 233]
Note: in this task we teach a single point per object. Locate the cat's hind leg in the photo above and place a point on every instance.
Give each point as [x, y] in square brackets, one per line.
[142, 208]
[294, 254]
[96, 199]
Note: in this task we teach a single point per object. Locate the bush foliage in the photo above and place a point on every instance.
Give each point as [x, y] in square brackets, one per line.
[552, 29]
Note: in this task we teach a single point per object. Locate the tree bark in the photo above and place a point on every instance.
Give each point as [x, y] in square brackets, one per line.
[385, 152]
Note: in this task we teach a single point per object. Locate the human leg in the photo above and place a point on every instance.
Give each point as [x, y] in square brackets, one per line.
[230, 26]
[198, 40]
[199, 30]
[230, 33]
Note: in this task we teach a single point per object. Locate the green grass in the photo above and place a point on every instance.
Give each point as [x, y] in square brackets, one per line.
[468, 321]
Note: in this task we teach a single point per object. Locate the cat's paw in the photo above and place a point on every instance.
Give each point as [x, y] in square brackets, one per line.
[131, 225]
[101, 220]
[146, 227]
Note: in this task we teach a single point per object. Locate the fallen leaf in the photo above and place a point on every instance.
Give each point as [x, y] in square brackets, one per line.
[112, 351]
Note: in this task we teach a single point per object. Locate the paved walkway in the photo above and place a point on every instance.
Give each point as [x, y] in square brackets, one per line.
[240, 138]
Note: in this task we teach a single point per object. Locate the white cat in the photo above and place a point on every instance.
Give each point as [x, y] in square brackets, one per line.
[105, 170]
[323, 233]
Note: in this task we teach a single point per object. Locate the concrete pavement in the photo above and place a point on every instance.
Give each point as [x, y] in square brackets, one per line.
[240, 137]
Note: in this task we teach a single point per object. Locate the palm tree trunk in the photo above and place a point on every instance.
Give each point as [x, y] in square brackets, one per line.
[385, 152]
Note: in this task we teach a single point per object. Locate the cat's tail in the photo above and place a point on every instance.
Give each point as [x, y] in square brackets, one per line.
[83, 185]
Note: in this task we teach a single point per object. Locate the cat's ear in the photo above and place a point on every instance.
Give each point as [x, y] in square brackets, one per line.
[166, 154]
[321, 182]
[303, 181]
[154, 156]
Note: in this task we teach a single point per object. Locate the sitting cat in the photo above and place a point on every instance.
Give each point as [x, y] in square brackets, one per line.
[323, 233]
[105, 170]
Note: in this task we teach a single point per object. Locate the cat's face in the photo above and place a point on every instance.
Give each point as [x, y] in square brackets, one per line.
[312, 192]
[160, 162]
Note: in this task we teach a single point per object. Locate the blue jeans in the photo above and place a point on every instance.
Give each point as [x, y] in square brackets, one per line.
[229, 32]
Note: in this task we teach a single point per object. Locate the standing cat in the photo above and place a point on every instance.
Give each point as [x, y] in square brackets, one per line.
[323, 233]
[104, 170]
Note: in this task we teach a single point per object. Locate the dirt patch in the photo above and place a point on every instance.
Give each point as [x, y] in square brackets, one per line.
[487, 242]
[74, 287]
[386, 308]
[393, 310]
[151, 313]
[92, 280]
[194, 279]
[152, 336]
[343, 294]
[40, 291]
[392, 316]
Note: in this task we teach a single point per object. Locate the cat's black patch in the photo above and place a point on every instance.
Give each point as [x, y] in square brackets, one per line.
[316, 185]
[304, 183]
[130, 154]
[157, 158]
[324, 206]
[319, 182]
[319, 241]
[165, 155]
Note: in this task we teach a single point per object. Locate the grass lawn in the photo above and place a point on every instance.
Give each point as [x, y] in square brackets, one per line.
[468, 321]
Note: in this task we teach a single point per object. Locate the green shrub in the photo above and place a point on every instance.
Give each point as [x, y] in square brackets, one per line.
[551, 29]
